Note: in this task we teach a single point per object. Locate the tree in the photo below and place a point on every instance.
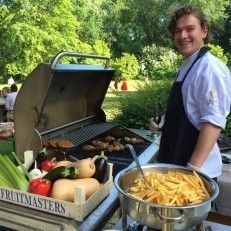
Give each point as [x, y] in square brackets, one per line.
[223, 35]
[143, 23]
[127, 67]
[29, 36]
[90, 17]
[160, 62]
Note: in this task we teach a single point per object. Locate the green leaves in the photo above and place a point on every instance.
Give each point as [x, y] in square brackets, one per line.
[127, 66]
[148, 101]
[159, 62]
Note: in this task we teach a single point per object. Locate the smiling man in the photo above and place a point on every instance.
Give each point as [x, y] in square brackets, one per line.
[199, 101]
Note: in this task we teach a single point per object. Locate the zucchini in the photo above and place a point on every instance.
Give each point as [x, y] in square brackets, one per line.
[62, 172]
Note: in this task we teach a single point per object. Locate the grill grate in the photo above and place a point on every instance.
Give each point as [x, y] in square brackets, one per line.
[81, 135]
[86, 133]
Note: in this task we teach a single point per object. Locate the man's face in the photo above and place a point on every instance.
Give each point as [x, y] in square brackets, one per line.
[189, 35]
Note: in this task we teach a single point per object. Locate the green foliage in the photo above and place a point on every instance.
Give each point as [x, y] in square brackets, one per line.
[127, 66]
[137, 24]
[159, 62]
[90, 17]
[218, 52]
[227, 130]
[229, 60]
[34, 32]
[29, 36]
[149, 100]
[223, 35]
[99, 48]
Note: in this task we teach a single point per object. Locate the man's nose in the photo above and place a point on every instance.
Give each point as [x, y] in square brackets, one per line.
[183, 34]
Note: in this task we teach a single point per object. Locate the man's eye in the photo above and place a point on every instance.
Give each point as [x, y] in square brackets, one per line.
[190, 29]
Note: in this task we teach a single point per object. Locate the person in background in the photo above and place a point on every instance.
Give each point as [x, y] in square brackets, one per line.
[116, 84]
[199, 101]
[9, 103]
[124, 86]
[10, 81]
[5, 91]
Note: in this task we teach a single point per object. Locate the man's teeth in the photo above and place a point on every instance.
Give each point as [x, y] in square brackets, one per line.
[184, 43]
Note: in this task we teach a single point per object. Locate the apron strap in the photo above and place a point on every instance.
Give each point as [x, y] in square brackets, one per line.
[202, 51]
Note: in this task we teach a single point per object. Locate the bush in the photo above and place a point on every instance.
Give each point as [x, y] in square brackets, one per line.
[149, 100]
[159, 62]
[227, 130]
[127, 67]
[218, 52]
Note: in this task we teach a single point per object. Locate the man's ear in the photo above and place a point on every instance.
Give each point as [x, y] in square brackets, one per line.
[206, 31]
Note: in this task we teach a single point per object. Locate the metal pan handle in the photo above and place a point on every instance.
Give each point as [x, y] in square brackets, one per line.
[169, 220]
[77, 55]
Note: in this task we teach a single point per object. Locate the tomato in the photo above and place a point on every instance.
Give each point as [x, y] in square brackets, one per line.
[40, 186]
[48, 165]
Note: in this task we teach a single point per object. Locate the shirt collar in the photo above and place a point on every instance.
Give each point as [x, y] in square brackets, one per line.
[187, 62]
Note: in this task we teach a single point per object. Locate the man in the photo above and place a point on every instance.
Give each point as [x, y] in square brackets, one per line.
[199, 100]
[10, 100]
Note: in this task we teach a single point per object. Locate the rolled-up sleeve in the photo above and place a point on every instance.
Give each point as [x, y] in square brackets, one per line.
[207, 93]
[214, 98]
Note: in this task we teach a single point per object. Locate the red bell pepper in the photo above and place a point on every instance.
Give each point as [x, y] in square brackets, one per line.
[40, 186]
[48, 165]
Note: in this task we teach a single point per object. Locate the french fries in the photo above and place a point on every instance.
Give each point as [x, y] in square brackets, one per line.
[173, 188]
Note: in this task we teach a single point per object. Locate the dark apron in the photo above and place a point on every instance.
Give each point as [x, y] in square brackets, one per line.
[179, 136]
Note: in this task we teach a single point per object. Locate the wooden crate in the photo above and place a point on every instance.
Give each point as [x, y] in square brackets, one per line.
[77, 210]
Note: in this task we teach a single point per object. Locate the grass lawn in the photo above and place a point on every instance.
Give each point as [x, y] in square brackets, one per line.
[111, 104]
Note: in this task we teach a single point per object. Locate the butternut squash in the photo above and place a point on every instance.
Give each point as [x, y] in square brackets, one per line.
[86, 168]
[63, 163]
[63, 189]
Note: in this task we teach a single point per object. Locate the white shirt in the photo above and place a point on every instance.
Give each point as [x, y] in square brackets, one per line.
[10, 100]
[10, 81]
[206, 96]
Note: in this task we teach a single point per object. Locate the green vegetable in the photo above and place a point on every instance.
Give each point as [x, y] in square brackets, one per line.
[11, 176]
[4, 176]
[62, 172]
[22, 166]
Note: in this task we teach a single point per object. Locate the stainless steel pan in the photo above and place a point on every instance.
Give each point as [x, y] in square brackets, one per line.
[160, 216]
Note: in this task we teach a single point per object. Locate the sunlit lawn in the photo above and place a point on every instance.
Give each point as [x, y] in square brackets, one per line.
[111, 104]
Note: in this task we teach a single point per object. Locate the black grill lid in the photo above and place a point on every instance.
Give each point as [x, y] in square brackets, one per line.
[56, 94]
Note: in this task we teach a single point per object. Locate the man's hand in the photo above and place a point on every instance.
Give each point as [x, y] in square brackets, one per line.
[153, 126]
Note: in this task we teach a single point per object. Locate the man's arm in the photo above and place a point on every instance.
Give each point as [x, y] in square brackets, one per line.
[208, 136]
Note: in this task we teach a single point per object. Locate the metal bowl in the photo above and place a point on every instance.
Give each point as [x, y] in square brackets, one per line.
[158, 216]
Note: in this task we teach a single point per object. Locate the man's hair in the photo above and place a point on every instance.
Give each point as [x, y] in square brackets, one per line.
[13, 88]
[184, 11]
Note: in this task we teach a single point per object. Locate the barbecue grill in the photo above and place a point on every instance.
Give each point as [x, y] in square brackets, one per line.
[61, 101]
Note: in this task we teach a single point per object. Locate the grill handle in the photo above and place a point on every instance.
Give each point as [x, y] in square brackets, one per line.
[77, 55]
